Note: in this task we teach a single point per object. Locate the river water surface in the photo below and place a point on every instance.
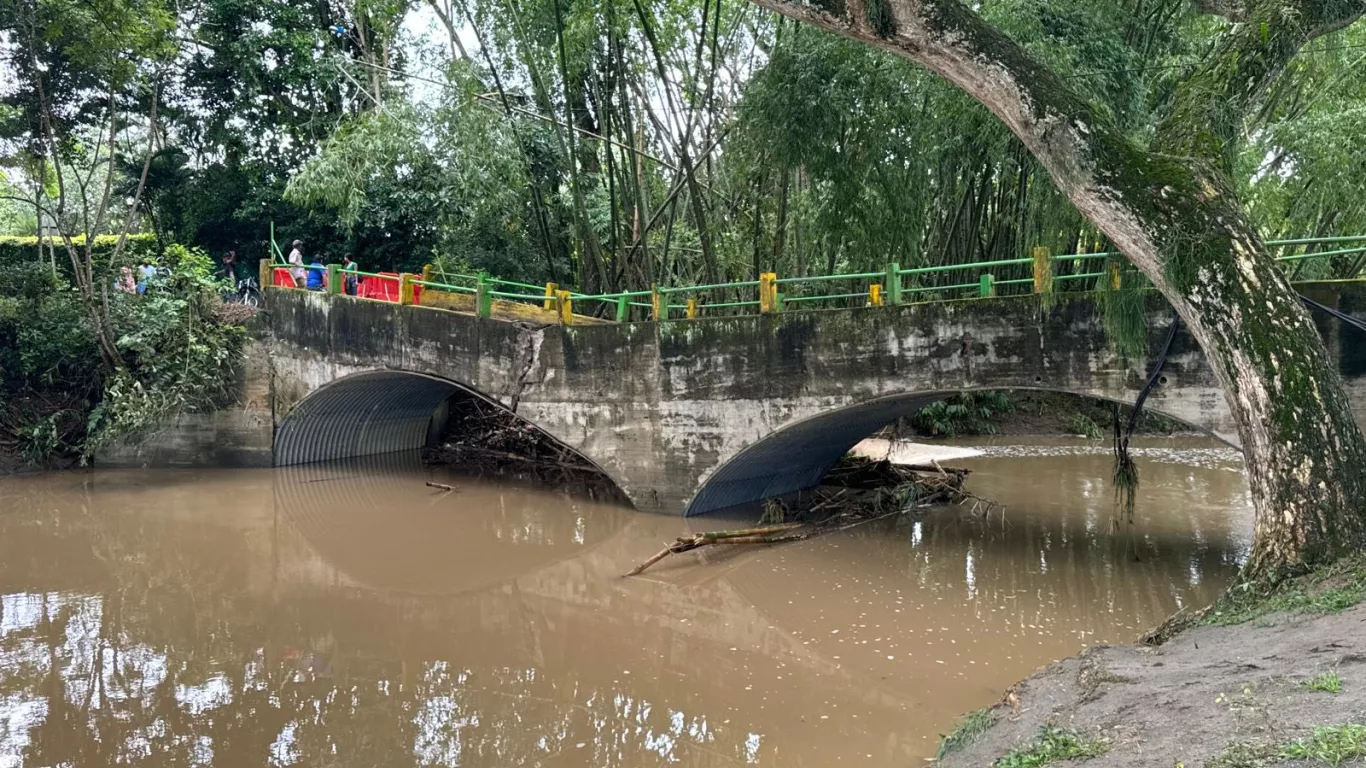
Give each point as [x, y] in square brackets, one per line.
[348, 615]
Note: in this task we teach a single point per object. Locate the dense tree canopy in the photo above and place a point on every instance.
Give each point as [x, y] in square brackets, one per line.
[612, 144]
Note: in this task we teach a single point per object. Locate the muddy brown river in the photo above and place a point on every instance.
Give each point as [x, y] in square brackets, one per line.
[348, 615]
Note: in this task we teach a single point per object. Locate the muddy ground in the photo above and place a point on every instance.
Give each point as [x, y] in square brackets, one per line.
[1220, 697]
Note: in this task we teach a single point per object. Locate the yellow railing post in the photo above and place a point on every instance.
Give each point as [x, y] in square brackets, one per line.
[1115, 280]
[426, 273]
[550, 289]
[566, 307]
[405, 288]
[875, 295]
[657, 309]
[1043, 270]
[768, 292]
[692, 308]
[267, 273]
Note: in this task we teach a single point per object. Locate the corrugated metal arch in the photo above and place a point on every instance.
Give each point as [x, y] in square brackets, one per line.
[374, 413]
[363, 414]
[797, 456]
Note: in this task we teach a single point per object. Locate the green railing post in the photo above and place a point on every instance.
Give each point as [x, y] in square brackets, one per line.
[483, 300]
[986, 286]
[623, 308]
[779, 301]
[333, 284]
[893, 295]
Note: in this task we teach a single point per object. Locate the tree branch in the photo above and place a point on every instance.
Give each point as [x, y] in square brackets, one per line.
[1210, 106]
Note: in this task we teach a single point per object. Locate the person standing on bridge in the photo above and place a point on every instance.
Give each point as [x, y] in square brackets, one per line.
[296, 261]
[317, 275]
[352, 282]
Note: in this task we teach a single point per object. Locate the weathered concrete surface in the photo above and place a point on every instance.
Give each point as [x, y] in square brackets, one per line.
[685, 415]
[725, 410]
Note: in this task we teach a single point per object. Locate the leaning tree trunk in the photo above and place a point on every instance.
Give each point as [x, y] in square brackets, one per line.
[1171, 211]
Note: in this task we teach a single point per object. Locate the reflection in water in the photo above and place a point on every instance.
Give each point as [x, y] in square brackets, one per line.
[349, 615]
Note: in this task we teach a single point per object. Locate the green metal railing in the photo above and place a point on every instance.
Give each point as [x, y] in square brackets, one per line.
[1040, 273]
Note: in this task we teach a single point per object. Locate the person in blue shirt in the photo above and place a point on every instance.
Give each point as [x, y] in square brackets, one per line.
[317, 276]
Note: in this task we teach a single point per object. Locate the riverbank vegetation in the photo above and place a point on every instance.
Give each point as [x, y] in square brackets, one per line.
[1025, 412]
[60, 402]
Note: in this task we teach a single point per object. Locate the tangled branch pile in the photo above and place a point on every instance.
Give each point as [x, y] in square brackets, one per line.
[853, 492]
[480, 434]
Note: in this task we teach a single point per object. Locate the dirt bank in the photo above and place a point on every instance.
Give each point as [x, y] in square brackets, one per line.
[1240, 696]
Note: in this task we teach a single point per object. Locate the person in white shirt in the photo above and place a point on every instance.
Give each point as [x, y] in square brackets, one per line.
[296, 260]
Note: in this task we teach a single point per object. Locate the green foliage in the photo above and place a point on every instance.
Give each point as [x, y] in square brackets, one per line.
[1330, 589]
[1244, 755]
[966, 731]
[54, 395]
[178, 355]
[1329, 744]
[1053, 745]
[1124, 311]
[966, 413]
[1326, 682]
[16, 250]
[1081, 424]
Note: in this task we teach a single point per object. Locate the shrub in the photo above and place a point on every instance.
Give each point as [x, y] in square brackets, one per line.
[966, 413]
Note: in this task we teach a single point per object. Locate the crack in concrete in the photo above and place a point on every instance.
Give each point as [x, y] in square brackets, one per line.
[529, 340]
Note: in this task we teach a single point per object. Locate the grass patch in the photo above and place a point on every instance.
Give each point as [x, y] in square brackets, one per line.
[1081, 424]
[1053, 745]
[1243, 755]
[966, 731]
[1326, 682]
[1329, 744]
[1330, 589]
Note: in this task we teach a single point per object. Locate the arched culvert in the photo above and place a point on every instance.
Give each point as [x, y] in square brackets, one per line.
[383, 412]
[796, 457]
[361, 415]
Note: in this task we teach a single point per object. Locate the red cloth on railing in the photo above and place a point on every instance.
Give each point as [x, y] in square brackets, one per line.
[381, 288]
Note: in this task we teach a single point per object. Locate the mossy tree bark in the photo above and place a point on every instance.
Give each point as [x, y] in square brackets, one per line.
[1170, 208]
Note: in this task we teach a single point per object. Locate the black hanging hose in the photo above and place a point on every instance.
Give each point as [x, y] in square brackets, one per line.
[1125, 473]
[1344, 317]
[1152, 379]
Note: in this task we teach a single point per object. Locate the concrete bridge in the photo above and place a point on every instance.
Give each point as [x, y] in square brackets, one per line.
[692, 416]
